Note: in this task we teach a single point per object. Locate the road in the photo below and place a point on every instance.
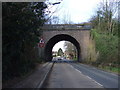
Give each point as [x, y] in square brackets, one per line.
[75, 75]
[107, 79]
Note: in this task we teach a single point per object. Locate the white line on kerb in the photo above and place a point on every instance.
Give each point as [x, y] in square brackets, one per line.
[94, 81]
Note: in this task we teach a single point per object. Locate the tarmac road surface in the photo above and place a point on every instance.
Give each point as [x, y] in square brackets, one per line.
[65, 75]
[107, 79]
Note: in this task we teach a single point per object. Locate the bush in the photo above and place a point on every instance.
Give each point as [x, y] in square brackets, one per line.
[107, 46]
[20, 36]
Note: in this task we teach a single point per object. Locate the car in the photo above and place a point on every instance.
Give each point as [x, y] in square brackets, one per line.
[59, 59]
[63, 57]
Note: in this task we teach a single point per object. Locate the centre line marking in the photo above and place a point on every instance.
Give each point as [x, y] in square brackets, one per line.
[76, 69]
[94, 80]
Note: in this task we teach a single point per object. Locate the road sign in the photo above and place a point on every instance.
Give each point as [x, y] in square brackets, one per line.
[41, 42]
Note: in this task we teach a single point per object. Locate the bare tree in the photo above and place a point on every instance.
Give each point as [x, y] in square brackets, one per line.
[106, 12]
[50, 12]
[53, 20]
[70, 49]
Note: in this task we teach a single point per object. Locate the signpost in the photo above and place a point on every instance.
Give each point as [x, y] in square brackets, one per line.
[41, 44]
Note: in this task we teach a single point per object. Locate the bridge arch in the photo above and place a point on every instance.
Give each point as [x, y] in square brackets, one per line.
[60, 37]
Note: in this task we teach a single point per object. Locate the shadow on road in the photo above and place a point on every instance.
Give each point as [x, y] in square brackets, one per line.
[64, 61]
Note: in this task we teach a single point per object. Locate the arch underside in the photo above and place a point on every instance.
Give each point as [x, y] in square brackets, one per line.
[50, 44]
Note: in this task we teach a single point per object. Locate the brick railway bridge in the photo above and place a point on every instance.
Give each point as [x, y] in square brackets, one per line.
[74, 33]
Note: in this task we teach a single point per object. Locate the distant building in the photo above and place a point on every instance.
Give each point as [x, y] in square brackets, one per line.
[70, 55]
[66, 54]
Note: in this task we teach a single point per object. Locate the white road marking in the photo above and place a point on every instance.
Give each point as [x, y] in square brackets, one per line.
[98, 83]
[94, 80]
[87, 76]
[71, 66]
[76, 69]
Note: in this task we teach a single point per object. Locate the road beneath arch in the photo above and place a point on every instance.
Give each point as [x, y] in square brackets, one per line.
[73, 75]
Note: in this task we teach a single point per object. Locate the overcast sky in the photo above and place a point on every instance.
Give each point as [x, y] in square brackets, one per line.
[77, 11]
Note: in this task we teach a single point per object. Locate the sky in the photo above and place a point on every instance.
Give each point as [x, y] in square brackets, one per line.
[76, 11]
[59, 45]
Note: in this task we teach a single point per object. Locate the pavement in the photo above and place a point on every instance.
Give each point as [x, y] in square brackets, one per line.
[36, 79]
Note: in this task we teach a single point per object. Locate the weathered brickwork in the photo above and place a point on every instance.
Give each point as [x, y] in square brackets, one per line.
[82, 36]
